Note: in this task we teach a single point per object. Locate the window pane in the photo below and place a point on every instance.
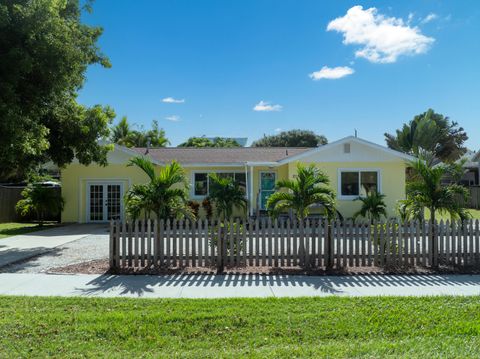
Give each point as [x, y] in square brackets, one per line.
[240, 179]
[200, 185]
[349, 183]
[369, 181]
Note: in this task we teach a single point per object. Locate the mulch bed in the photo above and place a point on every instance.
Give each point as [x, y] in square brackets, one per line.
[102, 267]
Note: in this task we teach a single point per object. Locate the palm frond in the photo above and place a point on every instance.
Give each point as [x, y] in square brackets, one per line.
[145, 165]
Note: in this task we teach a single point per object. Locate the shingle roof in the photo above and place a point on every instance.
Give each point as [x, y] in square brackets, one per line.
[189, 155]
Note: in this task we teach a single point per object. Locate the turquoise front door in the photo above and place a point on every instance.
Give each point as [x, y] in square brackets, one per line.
[267, 187]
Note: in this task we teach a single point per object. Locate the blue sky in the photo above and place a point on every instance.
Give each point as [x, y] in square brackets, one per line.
[252, 67]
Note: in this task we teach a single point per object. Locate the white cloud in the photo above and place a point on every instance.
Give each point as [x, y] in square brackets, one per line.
[173, 118]
[266, 106]
[172, 100]
[410, 18]
[331, 73]
[278, 129]
[429, 17]
[384, 39]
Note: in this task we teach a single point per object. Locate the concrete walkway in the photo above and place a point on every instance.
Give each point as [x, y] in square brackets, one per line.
[211, 286]
[21, 247]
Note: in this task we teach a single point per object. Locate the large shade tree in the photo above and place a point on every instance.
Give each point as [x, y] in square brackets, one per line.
[45, 51]
[292, 138]
[430, 133]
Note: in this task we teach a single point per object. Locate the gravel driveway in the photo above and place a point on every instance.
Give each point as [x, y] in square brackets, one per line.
[86, 249]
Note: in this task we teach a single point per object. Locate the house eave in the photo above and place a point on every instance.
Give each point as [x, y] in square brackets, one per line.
[320, 149]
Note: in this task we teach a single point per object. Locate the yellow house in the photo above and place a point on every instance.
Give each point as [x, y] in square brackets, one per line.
[355, 167]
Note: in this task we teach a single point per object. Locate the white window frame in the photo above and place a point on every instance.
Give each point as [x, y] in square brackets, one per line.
[359, 170]
[192, 181]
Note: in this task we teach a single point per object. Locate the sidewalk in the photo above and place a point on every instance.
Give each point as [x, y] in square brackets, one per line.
[226, 286]
[16, 248]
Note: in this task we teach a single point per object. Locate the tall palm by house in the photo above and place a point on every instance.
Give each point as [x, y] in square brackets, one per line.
[373, 207]
[426, 191]
[227, 196]
[166, 194]
[310, 187]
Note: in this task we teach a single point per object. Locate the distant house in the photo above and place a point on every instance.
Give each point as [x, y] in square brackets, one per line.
[355, 167]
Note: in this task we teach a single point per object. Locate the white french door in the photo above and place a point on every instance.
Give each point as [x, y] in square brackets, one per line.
[104, 201]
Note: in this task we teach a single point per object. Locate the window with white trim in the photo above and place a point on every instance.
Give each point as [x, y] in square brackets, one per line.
[355, 183]
[202, 181]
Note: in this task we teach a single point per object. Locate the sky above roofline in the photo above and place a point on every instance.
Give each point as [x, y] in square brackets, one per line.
[251, 68]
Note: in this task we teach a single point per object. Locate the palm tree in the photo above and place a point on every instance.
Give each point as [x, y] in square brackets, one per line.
[373, 207]
[425, 190]
[310, 187]
[122, 133]
[430, 132]
[227, 195]
[40, 200]
[166, 194]
[155, 137]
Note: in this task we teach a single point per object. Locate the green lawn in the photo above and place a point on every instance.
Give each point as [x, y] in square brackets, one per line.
[13, 229]
[475, 213]
[303, 327]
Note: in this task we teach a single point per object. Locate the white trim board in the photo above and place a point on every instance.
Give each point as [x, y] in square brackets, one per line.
[328, 146]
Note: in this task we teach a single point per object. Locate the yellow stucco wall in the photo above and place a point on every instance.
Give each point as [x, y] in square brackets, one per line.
[392, 182]
[74, 180]
[76, 177]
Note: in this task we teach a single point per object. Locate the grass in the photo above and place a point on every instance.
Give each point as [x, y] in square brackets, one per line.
[475, 213]
[13, 228]
[301, 327]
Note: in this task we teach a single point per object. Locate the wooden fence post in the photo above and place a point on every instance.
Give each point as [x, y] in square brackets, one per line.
[112, 244]
[220, 257]
[328, 243]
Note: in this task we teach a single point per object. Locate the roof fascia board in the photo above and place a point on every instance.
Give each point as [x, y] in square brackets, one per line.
[343, 140]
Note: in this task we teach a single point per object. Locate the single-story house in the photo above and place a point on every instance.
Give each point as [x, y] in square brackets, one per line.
[355, 167]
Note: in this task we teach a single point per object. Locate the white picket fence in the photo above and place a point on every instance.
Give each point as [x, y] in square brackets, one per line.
[314, 244]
